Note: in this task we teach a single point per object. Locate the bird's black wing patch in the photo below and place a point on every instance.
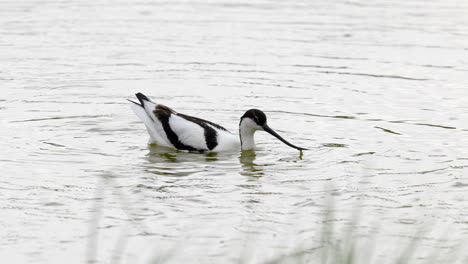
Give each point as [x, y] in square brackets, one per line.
[210, 133]
[200, 121]
[163, 113]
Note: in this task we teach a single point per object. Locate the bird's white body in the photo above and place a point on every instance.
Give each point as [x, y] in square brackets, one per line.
[189, 133]
[227, 142]
[170, 129]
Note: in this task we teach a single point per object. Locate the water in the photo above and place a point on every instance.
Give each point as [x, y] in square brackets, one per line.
[376, 90]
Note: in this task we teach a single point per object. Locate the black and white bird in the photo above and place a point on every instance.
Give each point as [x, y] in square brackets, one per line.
[170, 129]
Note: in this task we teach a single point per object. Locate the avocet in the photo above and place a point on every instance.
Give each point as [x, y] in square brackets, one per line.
[170, 129]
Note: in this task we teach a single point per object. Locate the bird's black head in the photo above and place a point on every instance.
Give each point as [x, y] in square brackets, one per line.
[256, 115]
[256, 120]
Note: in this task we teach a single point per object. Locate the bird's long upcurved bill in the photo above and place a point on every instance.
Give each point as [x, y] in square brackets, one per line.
[273, 133]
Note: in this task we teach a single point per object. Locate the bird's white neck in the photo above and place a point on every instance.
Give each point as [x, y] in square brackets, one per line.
[247, 130]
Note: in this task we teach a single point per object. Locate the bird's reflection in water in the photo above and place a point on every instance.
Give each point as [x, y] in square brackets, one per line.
[249, 168]
[170, 162]
[211, 156]
[157, 154]
[161, 154]
[247, 157]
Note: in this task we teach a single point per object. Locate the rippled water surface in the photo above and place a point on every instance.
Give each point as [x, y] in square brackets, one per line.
[377, 90]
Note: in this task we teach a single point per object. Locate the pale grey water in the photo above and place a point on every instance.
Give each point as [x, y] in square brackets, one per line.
[377, 90]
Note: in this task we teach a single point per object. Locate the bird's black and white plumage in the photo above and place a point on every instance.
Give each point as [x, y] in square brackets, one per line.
[170, 129]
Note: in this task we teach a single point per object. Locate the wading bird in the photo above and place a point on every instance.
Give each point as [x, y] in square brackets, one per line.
[170, 129]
